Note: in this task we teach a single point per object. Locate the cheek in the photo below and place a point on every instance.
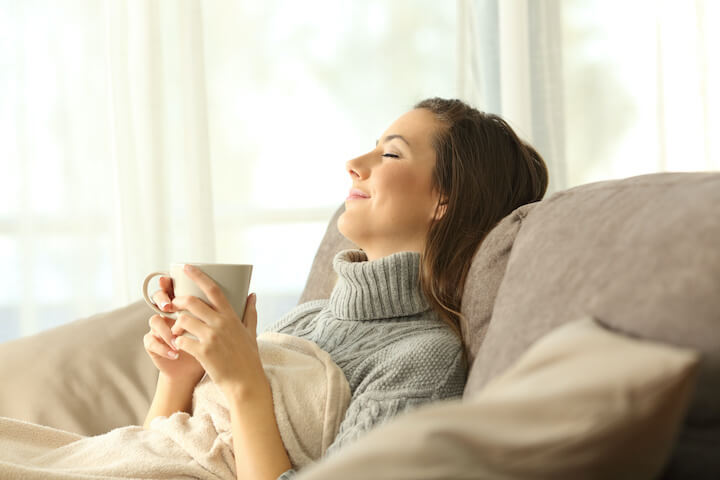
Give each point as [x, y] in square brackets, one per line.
[407, 188]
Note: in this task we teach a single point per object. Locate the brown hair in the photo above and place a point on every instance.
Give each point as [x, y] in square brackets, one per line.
[483, 172]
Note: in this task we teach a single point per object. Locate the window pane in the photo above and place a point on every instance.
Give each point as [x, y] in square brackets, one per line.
[54, 315]
[71, 266]
[10, 277]
[9, 323]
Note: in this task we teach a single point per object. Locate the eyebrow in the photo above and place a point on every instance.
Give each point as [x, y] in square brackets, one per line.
[391, 137]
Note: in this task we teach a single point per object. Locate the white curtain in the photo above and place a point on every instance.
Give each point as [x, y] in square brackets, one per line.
[158, 139]
[603, 88]
[109, 154]
[136, 133]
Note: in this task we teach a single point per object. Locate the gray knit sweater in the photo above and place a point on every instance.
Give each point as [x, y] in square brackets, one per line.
[377, 326]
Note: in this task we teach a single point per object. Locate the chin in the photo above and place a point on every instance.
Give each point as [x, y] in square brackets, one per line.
[340, 223]
[345, 229]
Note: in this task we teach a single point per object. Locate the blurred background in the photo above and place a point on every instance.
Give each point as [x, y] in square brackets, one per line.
[138, 133]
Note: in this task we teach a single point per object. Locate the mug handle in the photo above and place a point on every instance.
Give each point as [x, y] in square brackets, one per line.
[152, 304]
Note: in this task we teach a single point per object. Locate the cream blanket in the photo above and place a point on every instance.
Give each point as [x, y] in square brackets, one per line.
[310, 396]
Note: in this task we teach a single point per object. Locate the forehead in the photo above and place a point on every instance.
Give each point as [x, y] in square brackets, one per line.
[418, 126]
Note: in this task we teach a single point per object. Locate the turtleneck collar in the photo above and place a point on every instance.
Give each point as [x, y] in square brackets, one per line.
[383, 288]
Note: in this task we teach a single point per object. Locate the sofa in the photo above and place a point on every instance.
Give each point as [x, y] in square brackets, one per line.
[638, 257]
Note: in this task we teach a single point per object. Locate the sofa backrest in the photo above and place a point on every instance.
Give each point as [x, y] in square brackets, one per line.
[642, 256]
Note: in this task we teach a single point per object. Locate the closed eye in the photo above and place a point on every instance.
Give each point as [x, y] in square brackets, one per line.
[391, 155]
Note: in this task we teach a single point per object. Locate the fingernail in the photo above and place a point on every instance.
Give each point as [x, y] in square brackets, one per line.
[173, 355]
[174, 344]
[189, 268]
[163, 305]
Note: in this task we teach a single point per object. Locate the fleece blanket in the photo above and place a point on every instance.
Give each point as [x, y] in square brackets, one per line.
[310, 396]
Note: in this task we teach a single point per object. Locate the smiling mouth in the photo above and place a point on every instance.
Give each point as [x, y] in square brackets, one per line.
[357, 194]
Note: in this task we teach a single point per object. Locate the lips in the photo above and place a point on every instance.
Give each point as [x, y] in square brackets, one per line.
[356, 193]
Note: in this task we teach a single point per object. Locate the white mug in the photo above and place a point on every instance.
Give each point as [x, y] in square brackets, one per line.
[233, 280]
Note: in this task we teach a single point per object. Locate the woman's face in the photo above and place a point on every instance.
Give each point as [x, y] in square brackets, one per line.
[391, 202]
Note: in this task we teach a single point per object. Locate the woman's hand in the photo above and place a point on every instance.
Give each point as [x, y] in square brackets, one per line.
[175, 365]
[226, 346]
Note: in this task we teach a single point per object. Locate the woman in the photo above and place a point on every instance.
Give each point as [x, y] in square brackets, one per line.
[438, 180]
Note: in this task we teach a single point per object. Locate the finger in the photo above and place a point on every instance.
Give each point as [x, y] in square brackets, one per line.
[190, 346]
[250, 317]
[209, 288]
[191, 324]
[197, 307]
[159, 348]
[160, 328]
[156, 346]
[162, 300]
[166, 283]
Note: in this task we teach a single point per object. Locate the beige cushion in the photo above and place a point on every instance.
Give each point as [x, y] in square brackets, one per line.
[88, 376]
[640, 254]
[582, 402]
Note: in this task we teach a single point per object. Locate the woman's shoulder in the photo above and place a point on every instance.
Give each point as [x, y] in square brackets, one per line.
[427, 363]
[425, 345]
[437, 343]
[299, 313]
[429, 333]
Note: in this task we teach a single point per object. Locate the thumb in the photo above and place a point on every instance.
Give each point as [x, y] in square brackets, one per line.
[250, 317]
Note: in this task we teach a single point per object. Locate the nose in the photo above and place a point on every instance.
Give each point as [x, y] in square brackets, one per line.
[358, 167]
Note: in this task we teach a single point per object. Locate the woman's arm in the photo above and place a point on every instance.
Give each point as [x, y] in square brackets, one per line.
[259, 450]
[170, 397]
[227, 348]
